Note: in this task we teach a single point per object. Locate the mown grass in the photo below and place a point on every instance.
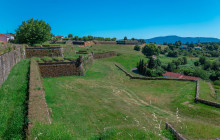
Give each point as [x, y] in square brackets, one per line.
[13, 102]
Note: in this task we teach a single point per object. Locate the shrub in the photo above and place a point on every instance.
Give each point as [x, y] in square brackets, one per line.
[217, 82]
[201, 73]
[184, 60]
[196, 63]
[202, 60]
[207, 65]
[170, 67]
[137, 48]
[150, 49]
[172, 54]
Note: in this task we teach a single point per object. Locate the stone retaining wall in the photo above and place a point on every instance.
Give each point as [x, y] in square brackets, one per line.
[174, 132]
[151, 78]
[61, 69]
[197, 98]
[41, 52]
[83, 43]
[8, 60]
[37, 106]
[104, 55]
[207, 102]
[89, 43]
[88, 62]
[105, 42]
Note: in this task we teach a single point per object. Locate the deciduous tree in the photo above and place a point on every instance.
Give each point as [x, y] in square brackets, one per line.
[150, 49]
[33, 32]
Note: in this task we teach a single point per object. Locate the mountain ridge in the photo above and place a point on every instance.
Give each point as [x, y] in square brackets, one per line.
[174, 38]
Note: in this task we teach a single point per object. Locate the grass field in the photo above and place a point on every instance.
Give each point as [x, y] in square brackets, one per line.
[106, 104]
[13, 102]
[206, 92]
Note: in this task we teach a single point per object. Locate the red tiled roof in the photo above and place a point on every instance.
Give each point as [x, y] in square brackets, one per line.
[184, 45]
[189, 77]
[2, 34]
[172, 74]
[59, 36]
[179, 76]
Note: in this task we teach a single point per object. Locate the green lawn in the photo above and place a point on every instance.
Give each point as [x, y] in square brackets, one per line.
[206, 93]
[13, 102]
[106, 104]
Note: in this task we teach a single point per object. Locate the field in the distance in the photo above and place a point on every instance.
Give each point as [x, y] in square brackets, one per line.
[105, 104]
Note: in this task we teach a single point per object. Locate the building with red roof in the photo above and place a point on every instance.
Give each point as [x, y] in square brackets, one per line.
[3, 38]
[59, 36]
[198, 48]
[179, 76]
[2, 42]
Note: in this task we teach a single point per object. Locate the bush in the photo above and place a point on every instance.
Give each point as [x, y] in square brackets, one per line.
[172, 54]
[217, 82]
[202, 60]
[170, 67]
[137, 48]
[150, 49]
[196, 63]
[207, 65]
[201, 73]
[159, 71]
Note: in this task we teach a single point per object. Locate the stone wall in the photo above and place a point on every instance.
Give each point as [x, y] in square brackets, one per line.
[174, 132]
[197, 98]
[105, 42]
[37, 106]
[46, 46]
[60, 42]
[207, 102]
[61, 69]
[104, 55]
[78, 43]
[8, 60]
[87, 62]
[89, 43]
[83, 43]
[41, 52]
[150, 78]
[128, 42]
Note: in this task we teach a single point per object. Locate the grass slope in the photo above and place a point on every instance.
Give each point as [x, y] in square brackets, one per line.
[206, 92]
[13, 96]
[106, 104]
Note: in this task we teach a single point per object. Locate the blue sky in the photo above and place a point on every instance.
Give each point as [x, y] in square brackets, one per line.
[117, 18]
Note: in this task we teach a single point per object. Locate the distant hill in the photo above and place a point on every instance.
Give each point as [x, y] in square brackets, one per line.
[173, 39]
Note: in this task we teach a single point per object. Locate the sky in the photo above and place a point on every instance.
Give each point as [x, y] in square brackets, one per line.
[140, 19]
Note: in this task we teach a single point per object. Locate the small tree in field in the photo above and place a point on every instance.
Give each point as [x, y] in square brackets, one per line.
[33, 32]
[137, 48]
[150, 49]
[70, 36]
